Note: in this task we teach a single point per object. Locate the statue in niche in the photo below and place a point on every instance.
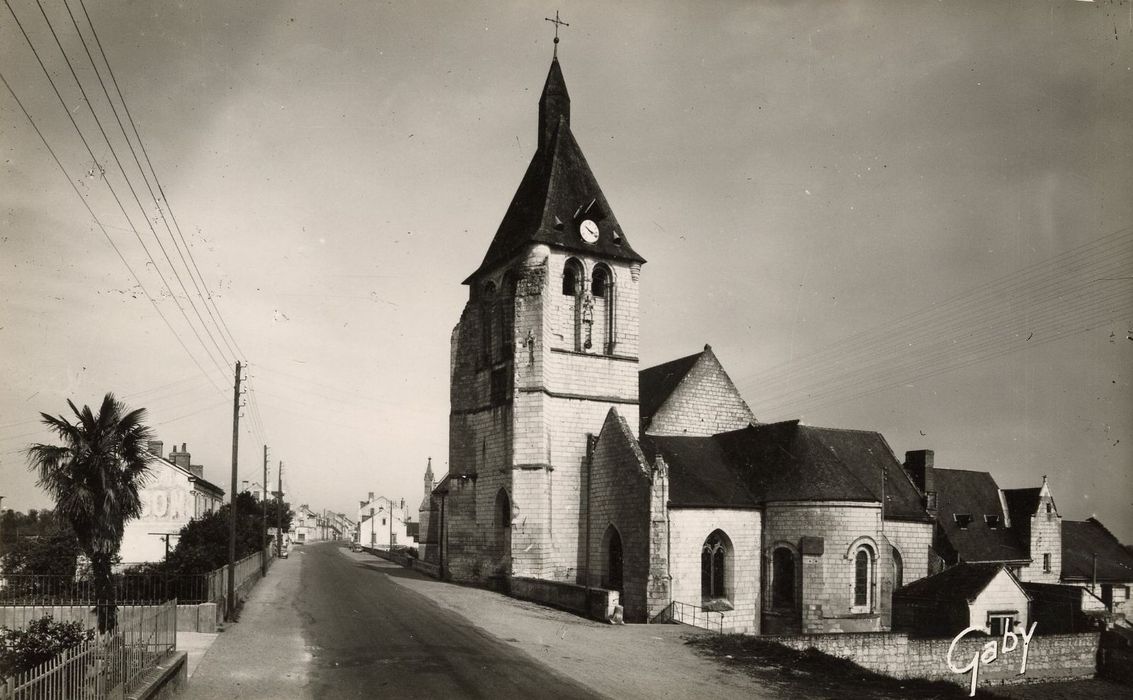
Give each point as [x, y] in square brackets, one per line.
[587, 319]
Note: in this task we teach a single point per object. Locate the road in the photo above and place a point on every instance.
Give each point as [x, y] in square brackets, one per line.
[370, 637]
[329, 624]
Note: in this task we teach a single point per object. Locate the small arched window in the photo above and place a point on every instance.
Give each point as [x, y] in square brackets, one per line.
[714, 556]
[600, 282]
[572, 278]
[863, 578]
[783, 579]
[898, 569]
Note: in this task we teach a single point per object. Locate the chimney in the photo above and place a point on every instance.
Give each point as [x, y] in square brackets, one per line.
[244, 485]
[918, 465]
[370, 497]
[197, 470]
[181, 458]
[155, 448]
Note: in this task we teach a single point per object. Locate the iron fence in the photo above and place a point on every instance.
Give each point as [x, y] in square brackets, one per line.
[188, 588]
[112, 665]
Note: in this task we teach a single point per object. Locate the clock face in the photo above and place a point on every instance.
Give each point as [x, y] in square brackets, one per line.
[589, 231]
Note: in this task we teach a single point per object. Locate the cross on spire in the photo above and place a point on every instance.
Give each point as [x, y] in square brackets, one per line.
[558, 23]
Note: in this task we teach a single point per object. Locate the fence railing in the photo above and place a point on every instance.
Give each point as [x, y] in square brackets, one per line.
[188, 588]
[694, 615]
[112, 665]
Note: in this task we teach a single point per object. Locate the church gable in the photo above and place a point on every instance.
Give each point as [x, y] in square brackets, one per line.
[691, 396]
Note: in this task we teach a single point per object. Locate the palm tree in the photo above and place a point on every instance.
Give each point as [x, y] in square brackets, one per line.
[94, 477]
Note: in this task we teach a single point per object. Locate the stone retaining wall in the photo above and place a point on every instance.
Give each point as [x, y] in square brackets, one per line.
[1049, 658]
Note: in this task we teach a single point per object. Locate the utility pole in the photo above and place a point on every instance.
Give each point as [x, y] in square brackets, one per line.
[1, 524]
[279, 514]
[264, 518]
[232, 498]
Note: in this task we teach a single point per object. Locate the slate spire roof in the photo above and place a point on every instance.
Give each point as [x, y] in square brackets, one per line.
[557, 192]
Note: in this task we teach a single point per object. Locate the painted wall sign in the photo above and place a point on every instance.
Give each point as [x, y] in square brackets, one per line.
[167, 497]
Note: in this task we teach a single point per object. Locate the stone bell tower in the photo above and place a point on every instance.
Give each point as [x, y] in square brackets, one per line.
[546, 345]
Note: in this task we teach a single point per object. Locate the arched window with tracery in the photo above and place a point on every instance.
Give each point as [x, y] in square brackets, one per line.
[864, 566]
[783, 579]
[715, 562]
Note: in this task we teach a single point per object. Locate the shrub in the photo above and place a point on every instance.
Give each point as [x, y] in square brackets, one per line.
[40, 641]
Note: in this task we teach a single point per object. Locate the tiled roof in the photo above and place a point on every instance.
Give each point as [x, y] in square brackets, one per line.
[785, 462]
[557, 191]
[975, 494]
[1081, 541]
[961, 582]
[656, 384]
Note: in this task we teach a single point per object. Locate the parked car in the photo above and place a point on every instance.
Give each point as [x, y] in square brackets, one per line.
[355, 547]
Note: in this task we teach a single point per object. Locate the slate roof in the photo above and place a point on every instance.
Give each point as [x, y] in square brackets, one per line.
[976, 494]
[657, 384]
[557, 191]
[785, 462]
[961, 582]
[1083, 539]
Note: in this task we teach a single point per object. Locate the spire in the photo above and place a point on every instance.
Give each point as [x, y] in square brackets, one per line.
[554, 106]
[557, 192]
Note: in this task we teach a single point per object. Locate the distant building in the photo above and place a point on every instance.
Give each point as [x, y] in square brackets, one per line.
[383, 522]
[176, 493]
[1093, 559]
[986, 596]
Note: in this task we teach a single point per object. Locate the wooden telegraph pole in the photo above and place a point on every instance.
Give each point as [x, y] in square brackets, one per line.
[264, 518]
[231, 607]
[279, 514]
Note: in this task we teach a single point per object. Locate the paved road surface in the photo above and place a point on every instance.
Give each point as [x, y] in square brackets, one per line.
[325, 625]
[373, 638]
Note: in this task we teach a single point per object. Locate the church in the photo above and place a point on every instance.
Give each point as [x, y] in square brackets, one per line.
[572, 466]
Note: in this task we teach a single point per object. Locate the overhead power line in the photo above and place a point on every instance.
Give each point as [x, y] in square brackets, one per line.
[105, 234]
[157, 181]
[133, 191]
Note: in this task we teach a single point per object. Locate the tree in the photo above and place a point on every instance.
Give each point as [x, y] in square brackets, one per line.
[94, 477]
[42, 640]
[54, 554]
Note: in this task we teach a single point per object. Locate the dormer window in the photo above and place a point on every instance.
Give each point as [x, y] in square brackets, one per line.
[993, 522]
[963, 520]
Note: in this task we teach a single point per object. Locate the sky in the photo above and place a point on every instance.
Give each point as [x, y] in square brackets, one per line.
[908, 217]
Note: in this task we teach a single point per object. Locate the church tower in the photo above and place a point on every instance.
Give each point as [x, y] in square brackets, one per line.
[546, 345]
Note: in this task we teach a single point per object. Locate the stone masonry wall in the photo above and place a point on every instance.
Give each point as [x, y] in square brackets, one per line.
[1054, 657]
[688, 529]
[826, 595]
[706, 402]
[620, 489]
[913, 541]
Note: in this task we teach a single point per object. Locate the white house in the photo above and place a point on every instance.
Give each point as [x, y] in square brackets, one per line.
[176, 493]
[382, 522]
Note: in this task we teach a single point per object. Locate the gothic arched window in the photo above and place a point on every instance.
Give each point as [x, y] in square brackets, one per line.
[503, 523]
[715, 560]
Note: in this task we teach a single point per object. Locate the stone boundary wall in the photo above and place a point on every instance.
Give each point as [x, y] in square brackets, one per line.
[1052, 658]
[595, 603]
[408, 562]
